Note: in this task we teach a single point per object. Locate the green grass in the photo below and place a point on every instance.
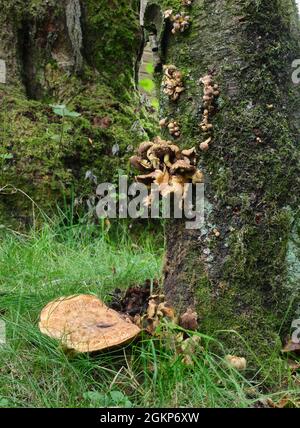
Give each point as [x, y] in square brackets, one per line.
[36, 372]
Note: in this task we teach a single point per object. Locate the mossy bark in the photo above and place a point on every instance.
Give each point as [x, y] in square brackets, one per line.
[240, 280]
[83, 54]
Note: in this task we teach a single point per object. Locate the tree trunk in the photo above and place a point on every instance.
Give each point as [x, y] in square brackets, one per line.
[241, 270]
[83, 54]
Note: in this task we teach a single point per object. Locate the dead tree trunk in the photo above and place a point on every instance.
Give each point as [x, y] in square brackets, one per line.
[241, 270]
[82, 54]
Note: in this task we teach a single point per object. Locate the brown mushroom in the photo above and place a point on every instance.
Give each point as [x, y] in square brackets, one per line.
[238, 363]
[163, 122]
[143, 148]
[175, 185]
[141, 164]
[85, 324]
[190, 154]
[147, 178]
[189, 320]
[172, 82]
[182, 167]
[198, 177]
[204, 146]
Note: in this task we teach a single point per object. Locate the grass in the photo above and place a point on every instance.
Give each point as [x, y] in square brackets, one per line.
[36, 372]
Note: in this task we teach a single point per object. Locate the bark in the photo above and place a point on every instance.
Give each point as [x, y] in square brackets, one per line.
[247, 278]
[83, 54]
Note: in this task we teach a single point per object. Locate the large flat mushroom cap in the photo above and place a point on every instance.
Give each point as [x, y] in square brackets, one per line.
[84, 323]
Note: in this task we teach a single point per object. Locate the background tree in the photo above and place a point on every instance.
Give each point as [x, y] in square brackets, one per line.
[241, 270]
[83, 54]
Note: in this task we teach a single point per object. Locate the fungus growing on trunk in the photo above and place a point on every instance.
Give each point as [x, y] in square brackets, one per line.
[172, 125]
[85, 324]
[180, 21]
[170, 167]
[210, 93]
[172, 82]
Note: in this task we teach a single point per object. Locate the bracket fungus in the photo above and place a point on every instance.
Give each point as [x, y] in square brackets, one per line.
[210, 93]
[85, 324]
[170, 167]
[172, 82]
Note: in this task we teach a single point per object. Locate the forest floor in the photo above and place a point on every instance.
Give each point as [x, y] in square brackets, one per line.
[35, 371]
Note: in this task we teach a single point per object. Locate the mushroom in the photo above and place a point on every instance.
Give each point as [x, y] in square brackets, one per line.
[189, 320]
[198, 177]
[190, 154]
[85, 324]
[182, 167]
[171, 168]
[172, 82]
[174, 128]
[147, 178]
[238, 363]
[163, 150]
[168, 13]
[180, 21]
[163, 122]
[141, 164]
[204, 146]
[143, 148]
[211, 91]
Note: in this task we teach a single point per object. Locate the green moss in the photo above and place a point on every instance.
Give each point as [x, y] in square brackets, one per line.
[43, 165]
[115, 51]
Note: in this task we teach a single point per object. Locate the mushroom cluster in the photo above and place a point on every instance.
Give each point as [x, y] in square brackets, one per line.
[172, 82]
[187, 2]
[157, 310]
[211, 92]
[165, 165]
[180, 21]
[172, 125]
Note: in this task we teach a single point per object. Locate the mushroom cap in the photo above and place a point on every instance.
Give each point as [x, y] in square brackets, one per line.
[147, 178]
[175, 185]
[84, 323]
[189, 153]
[143, 148]
[139, 163]
[161, 148]
[198, 177]
[182, 167]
